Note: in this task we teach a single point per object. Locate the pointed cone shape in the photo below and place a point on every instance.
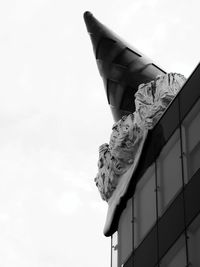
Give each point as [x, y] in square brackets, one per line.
[122, 68]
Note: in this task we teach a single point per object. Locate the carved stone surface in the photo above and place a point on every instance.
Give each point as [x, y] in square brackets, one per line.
[128, 134]
[152, 99]
[116, 157]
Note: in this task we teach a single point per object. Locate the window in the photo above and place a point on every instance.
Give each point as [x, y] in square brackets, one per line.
[176, 256]
[114, 250]
[194, 242]
[144, 205]
[191, 141]
[169, 172]
[125, 235]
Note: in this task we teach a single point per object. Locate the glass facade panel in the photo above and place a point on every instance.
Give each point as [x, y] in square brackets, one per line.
[169, 172]
[191, 141]
[176, 256]
[194, 242]
[144, 205]
[146, 254]
[163, 244]
[114, 250]
[125, 234]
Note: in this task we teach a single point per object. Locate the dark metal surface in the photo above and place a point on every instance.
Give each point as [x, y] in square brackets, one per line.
[122, 68]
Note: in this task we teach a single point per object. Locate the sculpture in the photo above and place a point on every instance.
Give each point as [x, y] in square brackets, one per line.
[115, 158]
[138, 92]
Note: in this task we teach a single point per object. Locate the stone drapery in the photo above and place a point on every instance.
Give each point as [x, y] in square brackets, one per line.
[115, 158]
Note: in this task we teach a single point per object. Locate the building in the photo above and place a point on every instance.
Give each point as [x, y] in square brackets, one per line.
[157, 223]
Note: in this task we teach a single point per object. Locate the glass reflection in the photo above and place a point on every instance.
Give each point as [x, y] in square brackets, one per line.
[169, 172]
[191, 141]
[144, 205]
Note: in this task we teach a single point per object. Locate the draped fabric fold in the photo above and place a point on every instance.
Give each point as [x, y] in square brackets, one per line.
[118, 160]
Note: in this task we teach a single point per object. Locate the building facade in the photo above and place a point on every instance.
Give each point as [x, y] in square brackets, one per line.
[160, 225]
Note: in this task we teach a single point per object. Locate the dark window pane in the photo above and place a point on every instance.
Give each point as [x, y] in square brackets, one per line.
[176, 256]
[171, 225]
[146, 254]
[167, 124]
[192, 197]
[125, 234]
[194, 242]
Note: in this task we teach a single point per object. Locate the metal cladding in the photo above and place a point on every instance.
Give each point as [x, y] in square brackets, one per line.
[122, 68]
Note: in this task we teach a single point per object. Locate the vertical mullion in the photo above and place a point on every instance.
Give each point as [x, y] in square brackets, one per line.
[156, 184]
[133, 228]
[183, 182]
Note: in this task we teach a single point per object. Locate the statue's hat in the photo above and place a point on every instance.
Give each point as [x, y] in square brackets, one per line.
[122, 68]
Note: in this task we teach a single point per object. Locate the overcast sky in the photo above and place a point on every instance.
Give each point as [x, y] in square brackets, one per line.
[54, 116]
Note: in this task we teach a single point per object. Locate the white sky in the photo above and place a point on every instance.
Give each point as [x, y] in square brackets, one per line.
[54, 115]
